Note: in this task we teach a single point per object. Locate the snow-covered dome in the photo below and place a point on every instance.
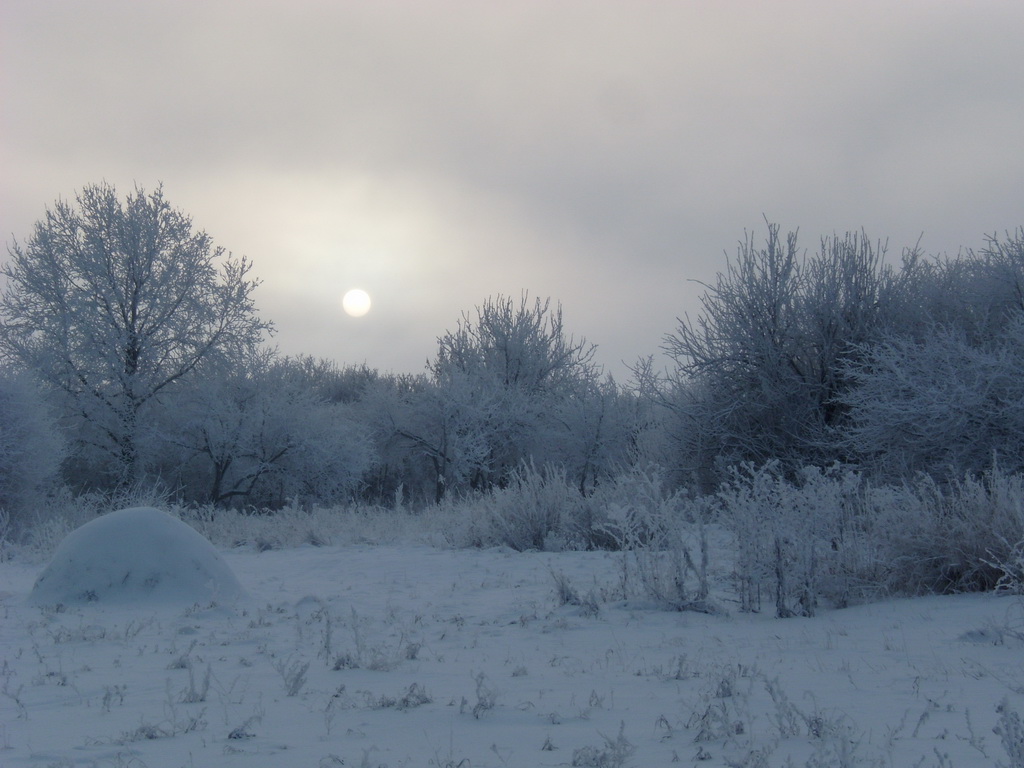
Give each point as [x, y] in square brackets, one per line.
[139, 555]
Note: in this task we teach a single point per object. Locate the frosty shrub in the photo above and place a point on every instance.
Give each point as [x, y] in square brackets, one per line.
[800, 541]
[537, 510]
[831, 535]
[542, 509]
[662, 536]
[1011, 735]
[952, 537]
[1011, 567]
[615, 753]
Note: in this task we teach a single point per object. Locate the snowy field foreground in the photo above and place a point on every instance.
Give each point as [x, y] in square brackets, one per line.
[414, 656]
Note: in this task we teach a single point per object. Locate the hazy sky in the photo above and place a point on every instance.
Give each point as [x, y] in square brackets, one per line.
[605, 154]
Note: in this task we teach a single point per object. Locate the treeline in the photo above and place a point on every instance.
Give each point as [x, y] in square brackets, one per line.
[133, 356]
[844, 356]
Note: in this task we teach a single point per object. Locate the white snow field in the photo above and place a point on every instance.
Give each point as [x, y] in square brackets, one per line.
[407, 655]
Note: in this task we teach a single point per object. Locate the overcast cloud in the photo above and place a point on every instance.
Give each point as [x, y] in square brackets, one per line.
[605, 154]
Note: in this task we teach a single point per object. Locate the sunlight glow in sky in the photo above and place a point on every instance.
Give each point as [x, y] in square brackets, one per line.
[605, 154]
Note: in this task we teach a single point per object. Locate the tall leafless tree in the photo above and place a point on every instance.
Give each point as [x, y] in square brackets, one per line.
[112, 301]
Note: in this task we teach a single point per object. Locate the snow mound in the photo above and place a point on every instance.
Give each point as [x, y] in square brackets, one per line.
[139, 555]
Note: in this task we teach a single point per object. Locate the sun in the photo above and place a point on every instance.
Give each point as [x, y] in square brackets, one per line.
[356, 302]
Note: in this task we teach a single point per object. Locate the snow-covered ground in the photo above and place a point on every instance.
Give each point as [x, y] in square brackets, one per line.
[414, 656]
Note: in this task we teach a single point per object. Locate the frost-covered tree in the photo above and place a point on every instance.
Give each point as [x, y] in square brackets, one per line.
[760, 369]
[515, 345]
[457, 428]
[940, 404]
[597, 430]
[112, 301]
[501, 379]
[507, 386]
[398, 409]
[31, 448]
[944, 394]
[257, 433]
[975, 291]
[336, 383]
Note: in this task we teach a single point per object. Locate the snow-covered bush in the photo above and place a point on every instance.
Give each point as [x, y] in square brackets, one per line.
[834, 536]
[801, 542]
[1011, 569]
[537, 510]
[662, 536]
[542, 509]
[950, 537]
